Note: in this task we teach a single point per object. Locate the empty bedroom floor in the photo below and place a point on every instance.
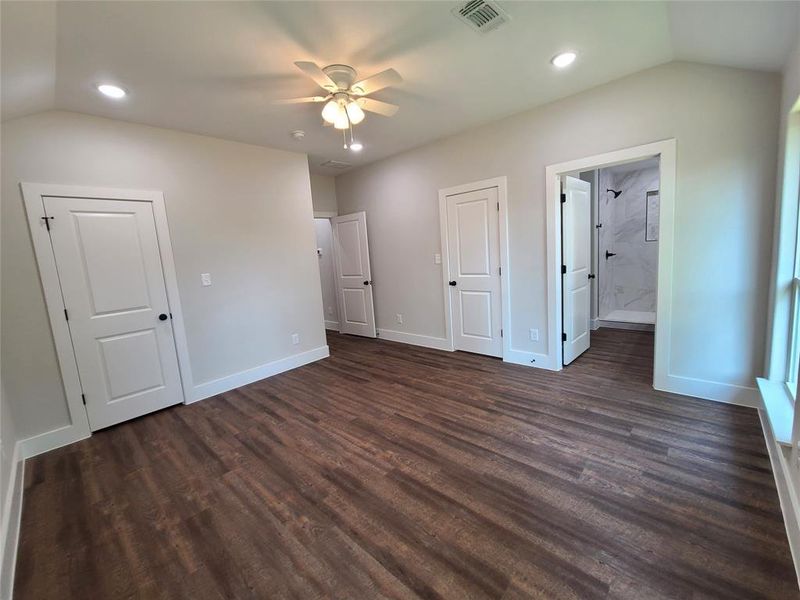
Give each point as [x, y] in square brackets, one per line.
[401, 472]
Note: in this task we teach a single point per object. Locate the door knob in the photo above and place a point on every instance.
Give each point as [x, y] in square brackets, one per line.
[610, 254]
[591, 275]
[162, 317]
[369, 282]
[453, 283]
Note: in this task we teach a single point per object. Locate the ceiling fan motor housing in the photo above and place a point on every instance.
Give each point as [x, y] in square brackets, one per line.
[342, 75]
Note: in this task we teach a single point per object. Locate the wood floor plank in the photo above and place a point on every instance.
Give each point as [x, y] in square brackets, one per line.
[391, 471]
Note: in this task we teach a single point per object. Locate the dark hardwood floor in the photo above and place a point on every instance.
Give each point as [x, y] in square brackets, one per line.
[389, 471]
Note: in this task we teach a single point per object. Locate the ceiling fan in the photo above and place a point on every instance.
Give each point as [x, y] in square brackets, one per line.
[346, 99]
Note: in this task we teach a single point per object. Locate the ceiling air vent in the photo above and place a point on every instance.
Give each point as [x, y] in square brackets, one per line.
[480, 15]
[336, 164]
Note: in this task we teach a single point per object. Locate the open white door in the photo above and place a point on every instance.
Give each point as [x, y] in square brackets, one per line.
[115, 299]
[576, 223]
[353, 274]
[473, 238]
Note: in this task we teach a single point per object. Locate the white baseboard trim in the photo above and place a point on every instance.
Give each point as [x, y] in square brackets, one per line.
[12, 513]
[224, 384]
[334, 325]
[50, 440]
[790, 507]
[710, 390]
[414, 339]
[529, 359]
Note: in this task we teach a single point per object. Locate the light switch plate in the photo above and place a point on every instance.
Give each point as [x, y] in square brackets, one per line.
[205, 279]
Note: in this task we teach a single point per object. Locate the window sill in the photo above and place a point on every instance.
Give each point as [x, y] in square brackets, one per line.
[779, 408]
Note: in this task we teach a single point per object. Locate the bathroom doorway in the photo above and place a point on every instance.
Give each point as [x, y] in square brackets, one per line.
[625, 228]
[568, 178]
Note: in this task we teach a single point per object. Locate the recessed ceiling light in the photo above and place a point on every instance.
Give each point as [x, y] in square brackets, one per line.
[356, 146]
[112, 91]
[564, 59]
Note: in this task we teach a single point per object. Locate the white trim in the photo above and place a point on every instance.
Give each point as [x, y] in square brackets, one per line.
[711, 390]
[415, 339]
[33, 194]
[529, 359]
[666, 149]
[778, 405]
[12, 513]
[325, 214]
[332, 325]
[790, 507]
[50, 440]
[501, 183]
[224, 384]
[173, 297]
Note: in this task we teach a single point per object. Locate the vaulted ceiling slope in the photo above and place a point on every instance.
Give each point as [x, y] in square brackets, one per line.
[214, 67]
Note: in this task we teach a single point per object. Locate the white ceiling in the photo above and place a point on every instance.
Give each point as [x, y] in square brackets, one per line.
[214, 67]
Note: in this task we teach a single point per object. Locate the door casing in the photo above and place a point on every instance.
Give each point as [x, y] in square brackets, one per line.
[666, 151]
[501, 183]
[33, 194]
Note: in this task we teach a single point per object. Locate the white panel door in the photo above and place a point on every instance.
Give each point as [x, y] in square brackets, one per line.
[576, 219]
[109, 268]
[473, 236]
[353, 275]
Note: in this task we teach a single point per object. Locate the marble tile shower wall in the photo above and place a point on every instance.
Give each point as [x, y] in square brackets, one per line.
[627, 281]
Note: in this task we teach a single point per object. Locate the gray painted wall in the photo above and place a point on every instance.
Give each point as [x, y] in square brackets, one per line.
[242, 213]
[725, 122]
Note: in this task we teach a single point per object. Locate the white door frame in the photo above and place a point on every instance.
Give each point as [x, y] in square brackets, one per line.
[501, 183]
[33, 194]
[666, 150]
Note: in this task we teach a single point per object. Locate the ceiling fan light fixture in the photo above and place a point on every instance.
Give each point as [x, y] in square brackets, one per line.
[341, 121]
[356, 146]
[331, 111]
[563, 59]
[354, 112]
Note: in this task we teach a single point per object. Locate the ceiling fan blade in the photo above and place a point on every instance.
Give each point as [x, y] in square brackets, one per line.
[376, 106]
[300, 100]
[376, 82]
[315, 73]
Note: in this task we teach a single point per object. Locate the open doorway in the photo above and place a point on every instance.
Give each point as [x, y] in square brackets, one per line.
[624, 234]
[609, 232]
[618, 236]
[327, 276]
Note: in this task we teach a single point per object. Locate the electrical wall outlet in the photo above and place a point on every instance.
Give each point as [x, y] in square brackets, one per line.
[295, 338]
[330, 310]
[398, 318]
[437, 259]
[534, 335]
[205, 279]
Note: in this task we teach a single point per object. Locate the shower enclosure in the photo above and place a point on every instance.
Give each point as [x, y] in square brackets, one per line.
[626, 244]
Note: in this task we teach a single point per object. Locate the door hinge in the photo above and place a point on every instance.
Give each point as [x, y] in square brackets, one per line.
[501, 332]
[563, 197]
[563, 269]
[66, 314]
[563, 337]
[500, 271]
[83, 397]
[498, 207]
[47, 222]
